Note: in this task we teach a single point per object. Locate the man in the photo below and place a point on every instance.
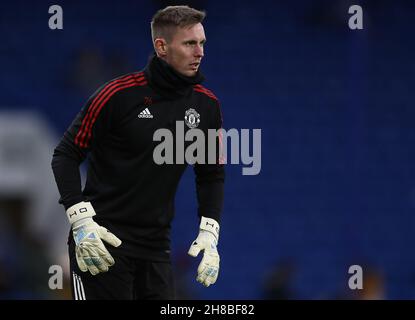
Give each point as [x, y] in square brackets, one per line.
[121, 220]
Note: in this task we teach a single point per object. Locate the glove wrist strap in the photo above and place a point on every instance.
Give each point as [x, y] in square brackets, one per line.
[80, 211]
[210, 225]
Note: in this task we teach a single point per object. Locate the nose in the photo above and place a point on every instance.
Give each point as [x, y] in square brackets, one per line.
[199, 51]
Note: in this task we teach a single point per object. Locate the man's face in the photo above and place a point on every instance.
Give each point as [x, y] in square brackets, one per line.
[185, 50]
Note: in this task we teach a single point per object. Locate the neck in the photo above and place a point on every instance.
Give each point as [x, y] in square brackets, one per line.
[169, 82]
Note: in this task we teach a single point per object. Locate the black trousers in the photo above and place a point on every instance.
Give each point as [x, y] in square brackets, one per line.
[127, 279]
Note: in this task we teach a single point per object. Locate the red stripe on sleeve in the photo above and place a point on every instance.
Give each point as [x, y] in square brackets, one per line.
[108, 96]
[92, 106]
[211, 95]
[96, 103]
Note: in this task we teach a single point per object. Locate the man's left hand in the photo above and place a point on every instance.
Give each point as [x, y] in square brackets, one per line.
[207, 241]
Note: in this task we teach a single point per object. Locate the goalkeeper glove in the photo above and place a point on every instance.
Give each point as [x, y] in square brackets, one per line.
[90, 251]
[207, 241]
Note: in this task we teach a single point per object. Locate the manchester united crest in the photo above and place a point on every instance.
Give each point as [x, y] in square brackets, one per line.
[192, 118]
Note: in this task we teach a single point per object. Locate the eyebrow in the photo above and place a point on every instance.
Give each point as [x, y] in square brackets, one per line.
[194, 41]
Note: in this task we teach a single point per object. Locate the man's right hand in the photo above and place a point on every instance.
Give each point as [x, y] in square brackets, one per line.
[90, 251]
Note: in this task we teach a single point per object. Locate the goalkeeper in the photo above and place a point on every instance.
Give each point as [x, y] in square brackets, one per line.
[119, 244]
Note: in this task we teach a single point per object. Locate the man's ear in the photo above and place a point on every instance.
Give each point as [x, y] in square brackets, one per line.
[160, 45]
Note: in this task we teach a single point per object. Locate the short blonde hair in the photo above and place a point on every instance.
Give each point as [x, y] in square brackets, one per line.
[166, 20]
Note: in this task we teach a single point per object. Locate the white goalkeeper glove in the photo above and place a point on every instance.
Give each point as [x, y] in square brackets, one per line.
[207, 241]
[90, 251]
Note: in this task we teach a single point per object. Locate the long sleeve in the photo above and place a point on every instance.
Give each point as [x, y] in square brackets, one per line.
[210, 178]
[67, 176]
[88, 129]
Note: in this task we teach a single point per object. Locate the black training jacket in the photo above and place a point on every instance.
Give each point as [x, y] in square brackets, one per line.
[131, 194]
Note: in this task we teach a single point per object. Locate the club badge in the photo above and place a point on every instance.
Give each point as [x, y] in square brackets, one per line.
[192, 118]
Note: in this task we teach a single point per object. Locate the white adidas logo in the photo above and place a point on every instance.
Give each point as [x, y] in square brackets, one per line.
[145, 114]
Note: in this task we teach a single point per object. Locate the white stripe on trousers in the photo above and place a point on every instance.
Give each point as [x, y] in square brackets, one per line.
[78, 287]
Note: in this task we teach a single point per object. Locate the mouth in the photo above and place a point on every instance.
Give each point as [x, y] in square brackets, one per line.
[195, 65]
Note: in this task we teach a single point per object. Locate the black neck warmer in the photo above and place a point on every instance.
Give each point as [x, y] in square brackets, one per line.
[167, 81]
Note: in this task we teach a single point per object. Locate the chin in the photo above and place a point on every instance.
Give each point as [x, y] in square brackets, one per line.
[192, 73]
[188, 73]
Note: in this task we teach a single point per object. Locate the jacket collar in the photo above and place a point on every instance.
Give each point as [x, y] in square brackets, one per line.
[167, 81]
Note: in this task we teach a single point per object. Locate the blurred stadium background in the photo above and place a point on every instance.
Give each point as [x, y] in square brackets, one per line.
[335, 106]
